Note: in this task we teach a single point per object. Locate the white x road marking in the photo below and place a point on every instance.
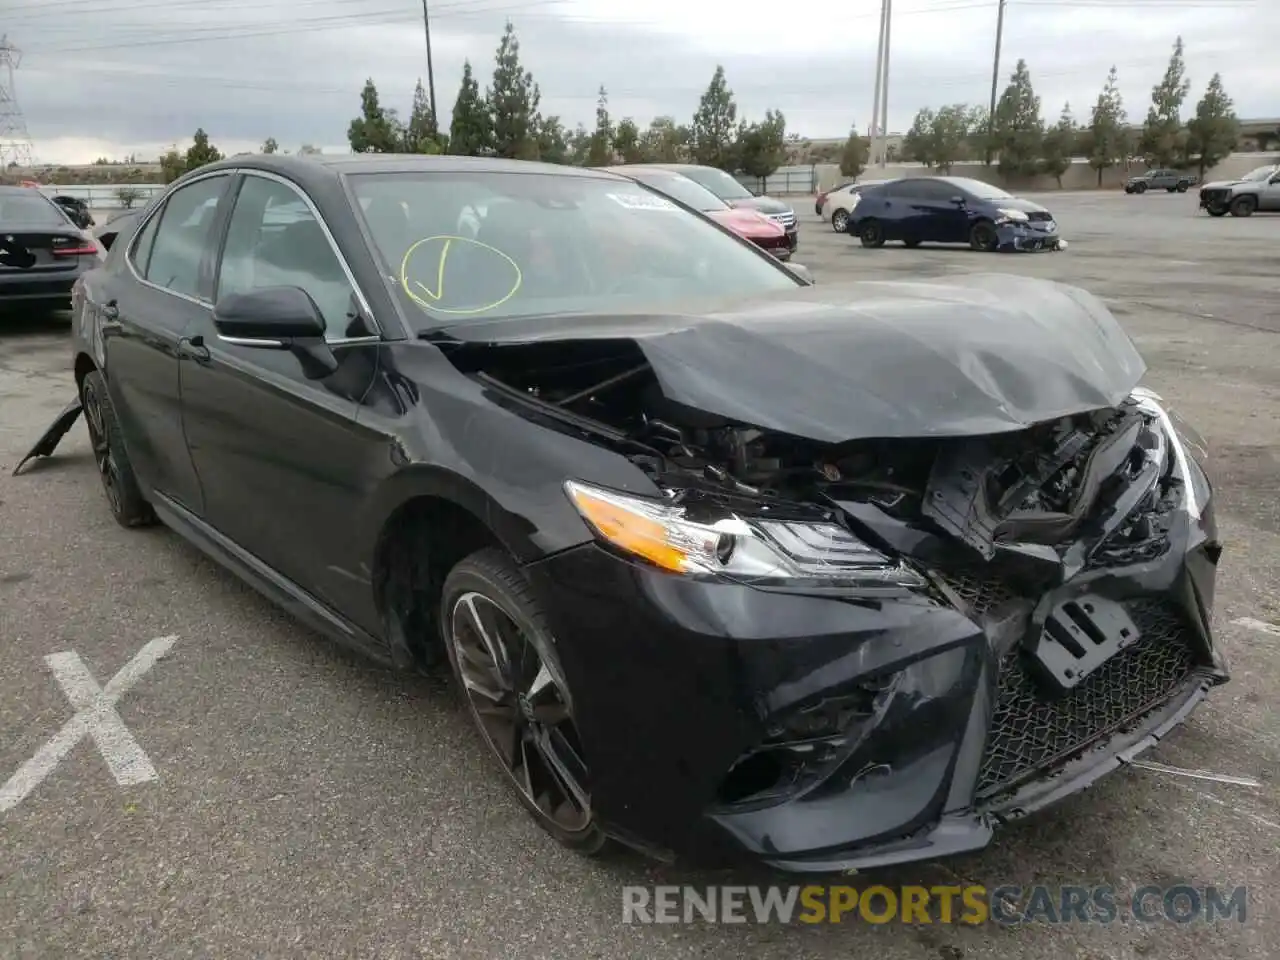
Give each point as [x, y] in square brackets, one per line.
[96, 717]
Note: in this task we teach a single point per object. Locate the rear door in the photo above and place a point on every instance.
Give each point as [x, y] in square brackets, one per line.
[1269, 196]
[279, 455]
[142, 310]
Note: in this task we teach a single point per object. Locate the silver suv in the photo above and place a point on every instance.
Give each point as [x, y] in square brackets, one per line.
[1257, 190]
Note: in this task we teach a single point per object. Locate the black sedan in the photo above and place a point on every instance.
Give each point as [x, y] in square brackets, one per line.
[725, 565]
[42, 252]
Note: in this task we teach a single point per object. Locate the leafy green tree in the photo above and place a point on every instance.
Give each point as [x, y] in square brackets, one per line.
[600, 151]
[1213, 132]
[172, 165]
[421, 133]
[947, 132]
[1059, 146]
[513, 100]
[715, 124]
[376, 130]
[665, 141]
[853, 156]
[1018, 128]
[626, 141]
[201, 151]
[579, 144]
[270, 146]
[553, 140]
[470, 133]
[1163, 141]
[761, 148]
[1107, 134]
[917, 145]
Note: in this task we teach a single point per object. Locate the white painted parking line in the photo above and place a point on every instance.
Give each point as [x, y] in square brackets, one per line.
[1260, 625]
[95, 717]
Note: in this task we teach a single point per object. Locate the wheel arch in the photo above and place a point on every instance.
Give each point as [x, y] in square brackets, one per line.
[427, 519]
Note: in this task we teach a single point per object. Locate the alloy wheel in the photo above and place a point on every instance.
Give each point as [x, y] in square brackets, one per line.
[840, 221]
[522, 706]
[103, 455]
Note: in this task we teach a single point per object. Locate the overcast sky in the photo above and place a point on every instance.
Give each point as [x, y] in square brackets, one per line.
[114, 77]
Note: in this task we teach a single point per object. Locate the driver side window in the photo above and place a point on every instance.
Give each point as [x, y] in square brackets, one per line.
[274, 240]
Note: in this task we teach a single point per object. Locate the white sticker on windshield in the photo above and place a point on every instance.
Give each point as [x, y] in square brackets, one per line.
[641, 201]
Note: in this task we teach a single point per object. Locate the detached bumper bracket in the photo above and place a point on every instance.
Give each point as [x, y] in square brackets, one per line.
[1079, 636]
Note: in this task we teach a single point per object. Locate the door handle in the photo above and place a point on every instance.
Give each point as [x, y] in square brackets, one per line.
[193, 348]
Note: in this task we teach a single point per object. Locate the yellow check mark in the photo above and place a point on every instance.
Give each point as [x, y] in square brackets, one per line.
[439, 291]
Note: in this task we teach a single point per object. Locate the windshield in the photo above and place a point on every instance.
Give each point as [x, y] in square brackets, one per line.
[978, 188]
[718, 182]
[478, 246]
[1262, 173]
[30, 209]
[683, 189]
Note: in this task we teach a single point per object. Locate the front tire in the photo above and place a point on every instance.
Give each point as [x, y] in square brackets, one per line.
[119, 483]
[1139, 188]
[504, 660]
[1216, 211]
[1243, 206]
[983, 236]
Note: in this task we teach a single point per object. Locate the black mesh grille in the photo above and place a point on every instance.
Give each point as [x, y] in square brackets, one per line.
[979, 590]
[1030, 732]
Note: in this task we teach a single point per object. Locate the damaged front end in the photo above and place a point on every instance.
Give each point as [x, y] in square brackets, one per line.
[921, 636]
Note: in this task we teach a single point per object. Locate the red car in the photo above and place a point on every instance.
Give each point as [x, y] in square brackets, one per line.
[766, 233]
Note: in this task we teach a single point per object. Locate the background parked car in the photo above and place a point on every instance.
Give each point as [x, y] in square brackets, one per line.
[765, 232]
[736, 195]
[821, 198]
[42, 251]
[1258, 189]
[951, 210]
[837, 204]
[1170, 180]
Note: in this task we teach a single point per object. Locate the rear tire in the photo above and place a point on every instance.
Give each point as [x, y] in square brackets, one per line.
[871, 234]
[840, 221]
[488, 588]
[1243, 206]
[124, 496]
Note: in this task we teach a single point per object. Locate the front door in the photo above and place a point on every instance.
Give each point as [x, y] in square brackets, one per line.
[279, 455]
[163, 286]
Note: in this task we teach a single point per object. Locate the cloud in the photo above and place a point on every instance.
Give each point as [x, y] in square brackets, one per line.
[113, 77]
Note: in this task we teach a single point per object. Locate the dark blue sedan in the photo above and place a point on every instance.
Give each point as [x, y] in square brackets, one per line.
[917, 210]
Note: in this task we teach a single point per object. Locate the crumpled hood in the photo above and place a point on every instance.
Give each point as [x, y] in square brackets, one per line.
[1221, 184]
[763, 204]
[979, 354]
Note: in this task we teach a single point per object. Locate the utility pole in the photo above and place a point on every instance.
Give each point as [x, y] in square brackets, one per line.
[431, 75]
[15, 142]
[884, 103]
[873, 132]
[995, 80]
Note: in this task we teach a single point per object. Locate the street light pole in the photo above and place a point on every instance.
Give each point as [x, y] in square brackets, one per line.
[431, 78]
[873, 132]
[995, 81]
[884, 103]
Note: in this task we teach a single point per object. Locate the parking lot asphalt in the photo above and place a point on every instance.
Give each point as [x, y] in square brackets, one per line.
[301, 802]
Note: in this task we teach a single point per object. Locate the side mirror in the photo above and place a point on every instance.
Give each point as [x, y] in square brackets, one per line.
[271, 316]
[277, 318]
[801, 272]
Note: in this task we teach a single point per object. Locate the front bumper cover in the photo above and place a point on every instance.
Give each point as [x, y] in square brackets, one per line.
[940, 732]
[1023, 237]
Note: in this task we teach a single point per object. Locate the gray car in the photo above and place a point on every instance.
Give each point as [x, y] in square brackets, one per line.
[1164, 179]
[42, 252]
[1259, 189]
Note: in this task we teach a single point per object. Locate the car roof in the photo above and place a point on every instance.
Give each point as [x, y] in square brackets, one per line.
[312, 168]
[627, 169]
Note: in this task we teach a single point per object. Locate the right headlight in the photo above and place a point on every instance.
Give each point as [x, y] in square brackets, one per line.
[726, 544]
[1011, 216]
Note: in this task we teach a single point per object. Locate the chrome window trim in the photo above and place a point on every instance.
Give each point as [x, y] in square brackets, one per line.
[361, 299]
[142, 226]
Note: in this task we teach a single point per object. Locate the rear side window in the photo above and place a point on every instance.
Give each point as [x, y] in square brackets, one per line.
[183, 236]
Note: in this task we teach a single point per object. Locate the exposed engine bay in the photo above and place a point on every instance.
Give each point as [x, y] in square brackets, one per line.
[1104, 476]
